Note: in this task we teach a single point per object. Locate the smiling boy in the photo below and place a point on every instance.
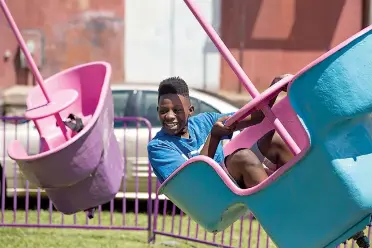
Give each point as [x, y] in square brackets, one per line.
[184, 136]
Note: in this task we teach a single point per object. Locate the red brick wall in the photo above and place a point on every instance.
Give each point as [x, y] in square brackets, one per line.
[283, 35]
[72, 31]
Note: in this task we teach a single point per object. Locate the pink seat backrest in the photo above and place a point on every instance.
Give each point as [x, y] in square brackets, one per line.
[285, 113]
[87, 80]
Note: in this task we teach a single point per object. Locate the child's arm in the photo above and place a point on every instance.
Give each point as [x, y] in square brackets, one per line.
[257, 116]
[251, 120]
[164, 159]
[218, 131]
[210, 146]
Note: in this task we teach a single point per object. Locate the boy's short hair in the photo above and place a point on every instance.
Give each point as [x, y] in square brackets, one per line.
[173, 85]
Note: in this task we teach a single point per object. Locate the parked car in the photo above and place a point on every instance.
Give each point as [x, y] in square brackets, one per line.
[136, 100]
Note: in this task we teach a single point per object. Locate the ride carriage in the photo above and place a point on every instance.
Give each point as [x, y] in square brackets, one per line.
[321, 197]
[79, 164]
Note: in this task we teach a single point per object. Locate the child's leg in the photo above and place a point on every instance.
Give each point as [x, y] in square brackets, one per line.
[247, 169]
[244, 166]
[274, 148]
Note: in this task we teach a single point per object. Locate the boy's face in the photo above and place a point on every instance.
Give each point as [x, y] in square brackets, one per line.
[174, 111]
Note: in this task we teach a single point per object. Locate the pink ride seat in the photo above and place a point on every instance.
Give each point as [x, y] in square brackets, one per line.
[86, 170]
[285, 113]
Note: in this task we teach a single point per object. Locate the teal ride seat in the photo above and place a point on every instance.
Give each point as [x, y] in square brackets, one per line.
[321, 197]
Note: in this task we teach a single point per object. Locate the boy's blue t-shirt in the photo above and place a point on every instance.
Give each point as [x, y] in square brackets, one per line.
[167, 153]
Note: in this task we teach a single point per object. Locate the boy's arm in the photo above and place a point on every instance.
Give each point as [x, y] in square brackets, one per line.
[164, 160]
[210, 146]
[253, 119]
[218, 131]
[258, 116]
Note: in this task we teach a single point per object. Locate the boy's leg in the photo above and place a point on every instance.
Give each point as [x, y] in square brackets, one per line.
[244, 166]
[274, 148]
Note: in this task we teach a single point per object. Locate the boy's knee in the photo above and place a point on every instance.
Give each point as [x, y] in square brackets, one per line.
[278, 145]
[244, 157]
[246, 168]
[271, 144]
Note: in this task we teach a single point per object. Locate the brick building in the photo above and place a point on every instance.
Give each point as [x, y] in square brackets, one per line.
[146, 40]
[63, 34]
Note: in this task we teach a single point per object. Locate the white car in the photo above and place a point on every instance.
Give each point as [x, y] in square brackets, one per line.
[135, 100]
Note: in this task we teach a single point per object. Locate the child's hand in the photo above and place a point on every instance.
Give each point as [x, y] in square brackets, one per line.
[219, 129]
[278, 78]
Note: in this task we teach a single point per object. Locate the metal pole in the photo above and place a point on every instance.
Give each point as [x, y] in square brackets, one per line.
[242, 37]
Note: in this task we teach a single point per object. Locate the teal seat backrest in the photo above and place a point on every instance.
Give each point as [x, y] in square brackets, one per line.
[337, 89]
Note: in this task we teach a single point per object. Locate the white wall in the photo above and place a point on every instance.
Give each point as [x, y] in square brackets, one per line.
[163, 38]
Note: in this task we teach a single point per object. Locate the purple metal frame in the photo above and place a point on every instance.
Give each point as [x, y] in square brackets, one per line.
[244, 233]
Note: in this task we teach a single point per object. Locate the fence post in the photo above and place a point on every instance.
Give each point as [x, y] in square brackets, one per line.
[150, 233]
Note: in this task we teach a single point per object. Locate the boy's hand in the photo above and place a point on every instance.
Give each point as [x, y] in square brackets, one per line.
[219, 129]
[278, 78]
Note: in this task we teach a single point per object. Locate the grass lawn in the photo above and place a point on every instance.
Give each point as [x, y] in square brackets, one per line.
[58, 237]
[80, 238]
